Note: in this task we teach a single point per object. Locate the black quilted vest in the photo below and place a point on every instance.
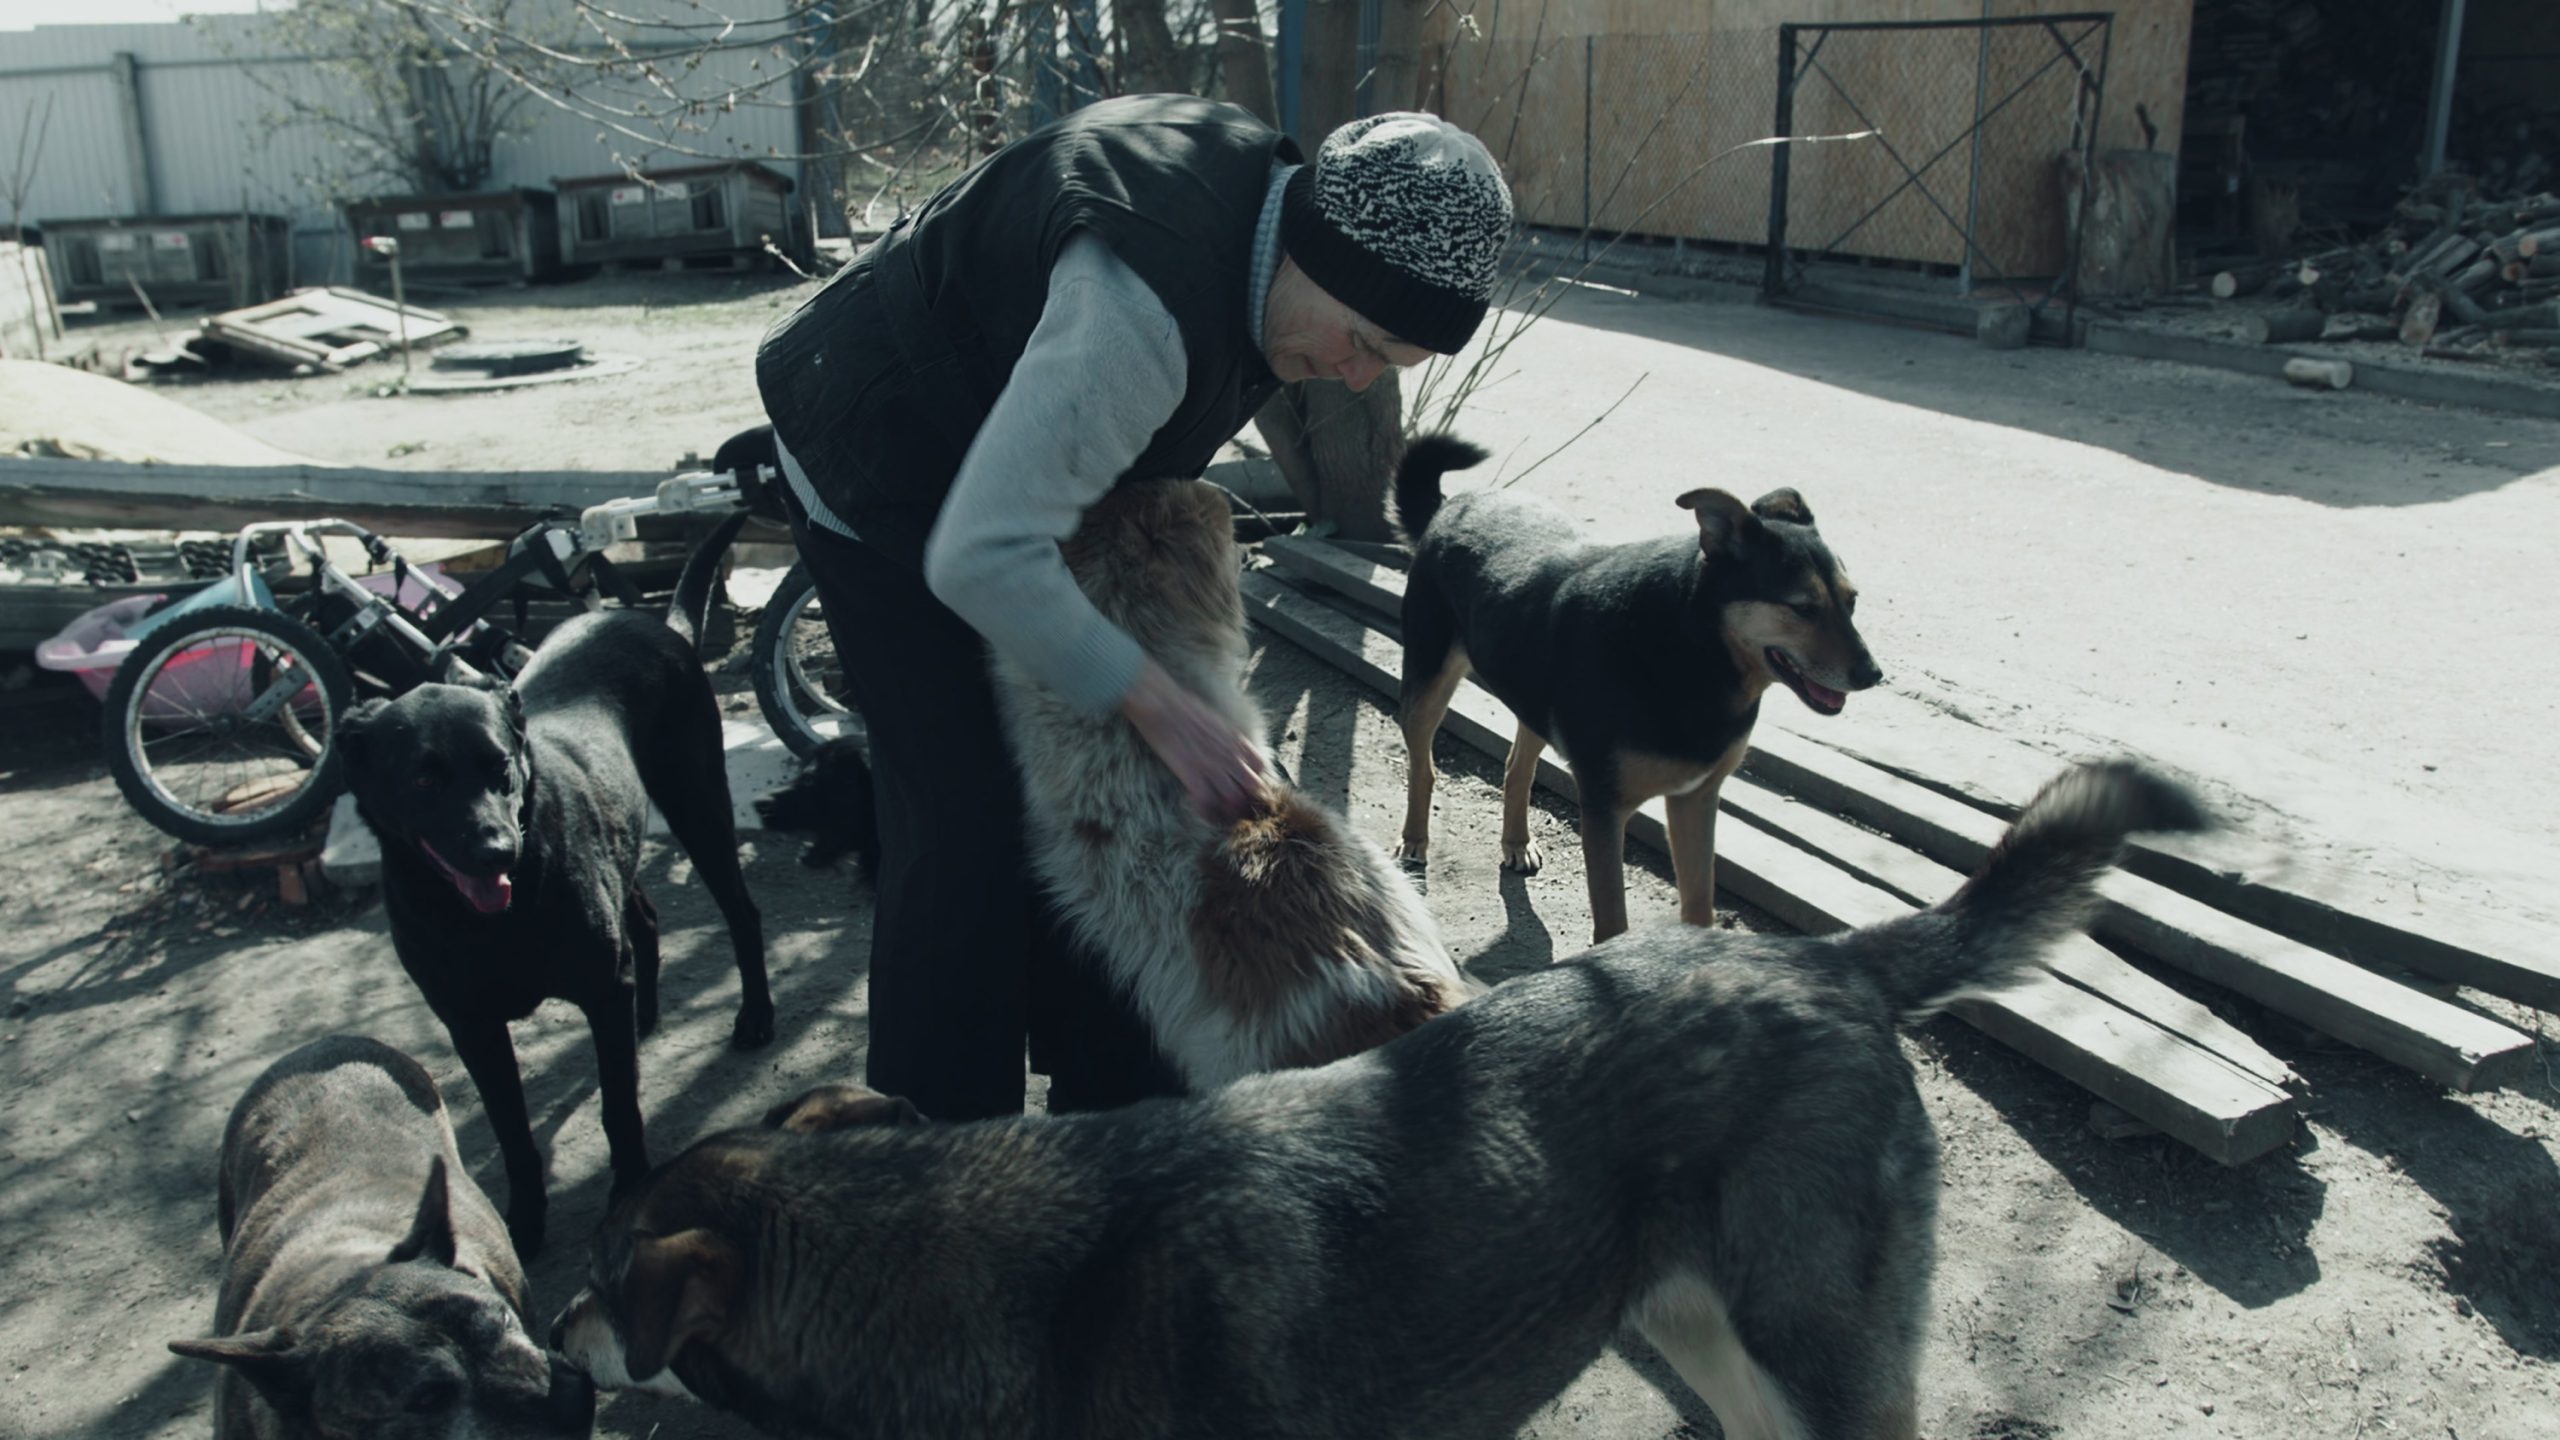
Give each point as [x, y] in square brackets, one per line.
[880, 381]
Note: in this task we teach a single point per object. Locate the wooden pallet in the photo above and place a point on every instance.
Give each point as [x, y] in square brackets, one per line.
[2094, 1019]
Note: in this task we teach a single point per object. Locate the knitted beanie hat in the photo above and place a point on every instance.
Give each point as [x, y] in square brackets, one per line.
[1403, 218]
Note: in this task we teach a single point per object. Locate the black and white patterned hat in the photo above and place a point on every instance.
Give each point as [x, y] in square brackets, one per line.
[1403, 218]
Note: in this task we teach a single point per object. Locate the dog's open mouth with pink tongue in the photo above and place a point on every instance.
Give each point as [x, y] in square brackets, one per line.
[1818, 697]
[488, 894]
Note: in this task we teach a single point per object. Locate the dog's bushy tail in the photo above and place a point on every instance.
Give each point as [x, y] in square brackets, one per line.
[1426, 459]
[2037, 885]
[691, 608]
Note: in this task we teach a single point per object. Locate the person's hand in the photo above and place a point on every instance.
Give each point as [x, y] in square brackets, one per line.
[1220, 768]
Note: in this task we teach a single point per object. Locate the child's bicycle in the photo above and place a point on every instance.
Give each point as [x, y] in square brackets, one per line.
[219, 722]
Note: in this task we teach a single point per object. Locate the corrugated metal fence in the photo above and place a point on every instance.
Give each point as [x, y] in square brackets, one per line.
[177, 119]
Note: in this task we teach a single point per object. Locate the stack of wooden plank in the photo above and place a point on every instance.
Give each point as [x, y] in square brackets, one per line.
[1824, 839]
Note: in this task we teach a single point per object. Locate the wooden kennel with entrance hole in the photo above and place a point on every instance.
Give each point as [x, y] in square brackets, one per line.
[225, 261]
[679, 216]
[499, 237]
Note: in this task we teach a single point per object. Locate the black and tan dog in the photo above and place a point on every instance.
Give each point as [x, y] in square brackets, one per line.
[1643, 663]
[511, 819]
[1711, 1135]
[367, 1288]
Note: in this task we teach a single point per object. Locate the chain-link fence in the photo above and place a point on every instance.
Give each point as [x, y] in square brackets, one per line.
[1605, 134]
[1973, 120]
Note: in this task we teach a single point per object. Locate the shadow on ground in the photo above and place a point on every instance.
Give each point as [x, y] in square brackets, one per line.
[2250, 434]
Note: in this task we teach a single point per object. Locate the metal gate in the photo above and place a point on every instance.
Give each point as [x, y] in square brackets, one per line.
[2008, 95]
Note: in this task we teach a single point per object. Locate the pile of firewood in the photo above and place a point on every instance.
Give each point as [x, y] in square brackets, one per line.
[2452, 273]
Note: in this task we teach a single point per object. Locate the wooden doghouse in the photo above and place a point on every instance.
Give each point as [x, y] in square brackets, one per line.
[686, 215]
[498, 237]
[177, 260]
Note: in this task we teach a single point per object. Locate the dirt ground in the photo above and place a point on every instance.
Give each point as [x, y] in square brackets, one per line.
[2396, 1272]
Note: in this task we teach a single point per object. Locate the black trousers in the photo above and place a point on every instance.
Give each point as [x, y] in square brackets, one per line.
[968, 958]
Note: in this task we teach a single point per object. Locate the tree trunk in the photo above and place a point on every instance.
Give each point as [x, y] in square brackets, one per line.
[2124, 237]
[1338, 450]
[1243, 60]
[1152, 68]
[1329, 90]
[1395, 79]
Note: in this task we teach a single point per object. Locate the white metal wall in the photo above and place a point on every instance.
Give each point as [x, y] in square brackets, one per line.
[209, 130]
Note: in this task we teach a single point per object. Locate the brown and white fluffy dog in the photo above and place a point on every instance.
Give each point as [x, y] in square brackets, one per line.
[1284, 939]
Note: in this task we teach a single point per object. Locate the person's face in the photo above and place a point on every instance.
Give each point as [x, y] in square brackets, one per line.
[1309, 335]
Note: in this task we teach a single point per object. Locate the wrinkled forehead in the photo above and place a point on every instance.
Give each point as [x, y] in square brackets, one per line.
[446, 720]
[382, 1330]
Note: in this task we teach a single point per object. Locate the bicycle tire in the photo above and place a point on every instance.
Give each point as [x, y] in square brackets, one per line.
[156, 722]
[800, 694]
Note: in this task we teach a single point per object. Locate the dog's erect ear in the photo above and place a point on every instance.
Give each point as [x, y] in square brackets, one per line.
[840, 1107]
[431, 1232]
[455, 670]
[679, 1287]
[1725, 525]
[264, 1358]
[1784, 505]
[349, 742]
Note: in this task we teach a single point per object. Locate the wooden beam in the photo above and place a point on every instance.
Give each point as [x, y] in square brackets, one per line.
[1920, 880]
[2316, 903]
[1372, 586]
[426, 503]
[2114, 1053]
[2319, 904]
[2446, 1043]
[2199, 1098]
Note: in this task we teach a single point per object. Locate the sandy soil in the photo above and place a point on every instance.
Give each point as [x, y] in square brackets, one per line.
[2396, 1272]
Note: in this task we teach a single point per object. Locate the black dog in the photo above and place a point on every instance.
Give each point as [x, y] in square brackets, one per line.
[1642, 663]
[830, 801]
[511, 820]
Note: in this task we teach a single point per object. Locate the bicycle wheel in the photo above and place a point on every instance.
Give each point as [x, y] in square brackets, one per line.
[799, 684]
[219, 727]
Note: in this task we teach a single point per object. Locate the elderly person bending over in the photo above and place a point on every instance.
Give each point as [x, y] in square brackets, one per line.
[1110, 297]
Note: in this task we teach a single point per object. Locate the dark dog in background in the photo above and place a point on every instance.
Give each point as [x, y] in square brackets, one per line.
[367, 1286]
[511, 821]
[1643, 663]
[1711, 1135]
[830, 802]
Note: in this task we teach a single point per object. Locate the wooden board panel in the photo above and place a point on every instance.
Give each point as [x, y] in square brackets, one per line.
[1720, 57]
[2198, 1098]
[37, 491]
